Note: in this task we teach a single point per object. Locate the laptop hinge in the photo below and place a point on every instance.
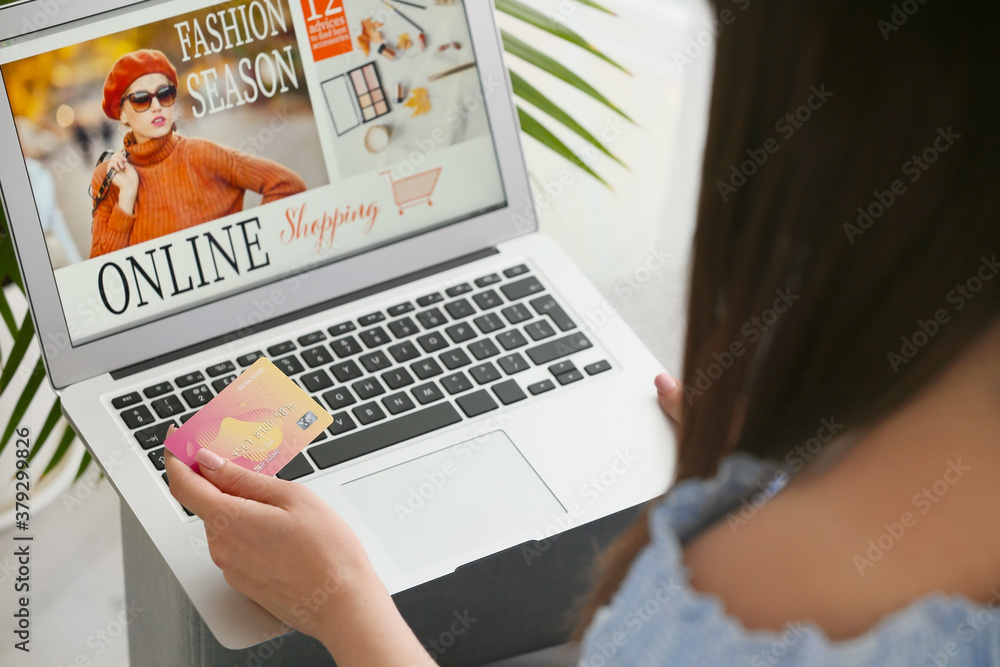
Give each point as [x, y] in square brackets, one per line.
[298, 314]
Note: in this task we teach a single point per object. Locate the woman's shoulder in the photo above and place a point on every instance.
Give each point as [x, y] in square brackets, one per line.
[659, 617]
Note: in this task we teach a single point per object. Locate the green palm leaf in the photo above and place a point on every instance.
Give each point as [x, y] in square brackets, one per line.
[21, 342]
[533, 128]
[536, 18]
[529, 93]
[530, 54]
[22, 403]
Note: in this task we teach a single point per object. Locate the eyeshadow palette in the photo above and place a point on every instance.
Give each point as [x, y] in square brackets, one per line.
[355, 97]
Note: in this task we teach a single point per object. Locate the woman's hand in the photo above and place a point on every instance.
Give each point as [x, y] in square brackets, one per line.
[275, 541]
[126, 180]
[282, 546]
[670, 393]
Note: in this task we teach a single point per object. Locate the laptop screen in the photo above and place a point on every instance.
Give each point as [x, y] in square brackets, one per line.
[180, 153]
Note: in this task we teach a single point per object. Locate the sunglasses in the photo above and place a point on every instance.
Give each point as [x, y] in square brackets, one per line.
[141, 100]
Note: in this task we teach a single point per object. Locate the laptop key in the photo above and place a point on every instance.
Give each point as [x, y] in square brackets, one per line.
[219, 369]
[368, 413]
[189, 379]
[511, 339]
[311, 339]
[487, 280]
[374, 337]
[483, 349]
[432, 342]
[317, 380]
[156, 456]
[508, 392]
[558, 348]
[429, 299]
[394, 431]
[488, 299]
[460, 308]
[426, 368]
[515, 270]
[371, 318]
[521, 288]
[342, 423]
[427, 393]
[541, 387]
[431, 318]
[597, 367]
[403, 351]
[484, 373]
[185, 418]
[299, 466]
[476, 403]
[157, 390]
[126, 400]
[458, 289]
[368, 388]
[247, 359]
[456, 383]
[168, 406]
[489, 323]
[197, 396]
[403, 327]
[341, 329]
[569, 376]
[539, 330]
[374, 361]
[317, 356]
[513, 363]
[397, 310]
[345, 347]
[281, 348]
[516, 313]
[289, 365]
[397, 403]
[338, 398]
[561, 367]
[397, 378]
[546, 305]
[455, 359]
[153, 436]
[346, 370]
[137, 416]
[459, 333]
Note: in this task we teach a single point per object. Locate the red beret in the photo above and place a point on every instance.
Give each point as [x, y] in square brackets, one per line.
[127, 69]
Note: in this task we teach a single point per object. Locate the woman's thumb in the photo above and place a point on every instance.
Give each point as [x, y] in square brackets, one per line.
[238, 481]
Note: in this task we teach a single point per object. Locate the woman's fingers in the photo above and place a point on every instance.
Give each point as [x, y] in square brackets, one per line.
[670, 393]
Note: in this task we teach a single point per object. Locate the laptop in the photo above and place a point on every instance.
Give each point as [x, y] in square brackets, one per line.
[385, 256]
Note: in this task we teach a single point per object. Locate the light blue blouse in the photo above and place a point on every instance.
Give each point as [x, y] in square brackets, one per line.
[656, 618]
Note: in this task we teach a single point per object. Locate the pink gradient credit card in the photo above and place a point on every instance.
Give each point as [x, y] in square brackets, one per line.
[260, 421]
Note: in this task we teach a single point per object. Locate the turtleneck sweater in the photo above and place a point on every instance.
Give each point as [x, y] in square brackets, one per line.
[183, 182]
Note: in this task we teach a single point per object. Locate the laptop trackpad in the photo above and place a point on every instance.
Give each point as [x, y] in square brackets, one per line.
[454, 500]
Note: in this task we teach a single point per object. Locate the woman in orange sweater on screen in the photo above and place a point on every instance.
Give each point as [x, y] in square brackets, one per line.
[164, 182]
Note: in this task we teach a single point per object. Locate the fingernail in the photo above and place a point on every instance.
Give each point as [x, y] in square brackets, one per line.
[665, 383]
[209, 459]
[171, 429]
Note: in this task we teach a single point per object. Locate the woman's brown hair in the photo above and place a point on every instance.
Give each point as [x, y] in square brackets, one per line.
[851, 169]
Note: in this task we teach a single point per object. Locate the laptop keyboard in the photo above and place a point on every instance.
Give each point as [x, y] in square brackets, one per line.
[390, 376]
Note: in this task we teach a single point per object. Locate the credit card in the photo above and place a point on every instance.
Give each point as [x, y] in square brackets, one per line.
[260, 421]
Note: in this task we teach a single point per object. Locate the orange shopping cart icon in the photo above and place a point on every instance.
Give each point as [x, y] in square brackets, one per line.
[413, 190]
